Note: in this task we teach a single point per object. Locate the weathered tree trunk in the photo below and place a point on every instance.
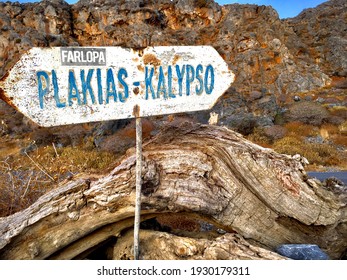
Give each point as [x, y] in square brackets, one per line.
[207, 172]
[161, 245]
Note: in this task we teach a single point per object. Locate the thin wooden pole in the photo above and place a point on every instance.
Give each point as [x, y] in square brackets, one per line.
[138, 187]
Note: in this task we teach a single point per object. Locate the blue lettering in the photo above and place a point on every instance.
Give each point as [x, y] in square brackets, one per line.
[161, 84]
[122, 73]
[209, 75]
[73, 90]
[189, 78]
[98, 77]
[196, 78]
[200, 88]
[110, 86]
[169, 74]
[180, 74]
[42, 91]
[86, 86]
[56, 91]
[148, 83]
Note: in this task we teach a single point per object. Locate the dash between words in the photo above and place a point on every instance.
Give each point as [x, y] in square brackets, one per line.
[106, 85]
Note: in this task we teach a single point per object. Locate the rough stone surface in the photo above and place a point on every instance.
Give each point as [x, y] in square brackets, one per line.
[323, 35]
[302, 252]
[270, 57]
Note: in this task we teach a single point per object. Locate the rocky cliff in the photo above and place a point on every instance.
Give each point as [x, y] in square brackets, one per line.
[271, 58]
[322, 31]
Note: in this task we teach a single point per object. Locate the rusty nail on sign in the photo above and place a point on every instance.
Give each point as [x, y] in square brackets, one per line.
[65, 85]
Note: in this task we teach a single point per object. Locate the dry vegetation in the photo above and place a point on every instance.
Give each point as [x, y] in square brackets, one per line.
[316, 153]
[25, 176]
[316, 129]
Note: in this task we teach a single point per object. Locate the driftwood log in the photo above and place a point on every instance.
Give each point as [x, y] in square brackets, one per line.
[206, 173]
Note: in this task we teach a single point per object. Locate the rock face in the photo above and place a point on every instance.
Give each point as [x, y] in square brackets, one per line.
[23, 26]
[272, 57]
[323, 35]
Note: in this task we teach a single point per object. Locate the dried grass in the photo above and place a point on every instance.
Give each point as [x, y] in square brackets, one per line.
[299, 129]
[24, 177]
[317, 154]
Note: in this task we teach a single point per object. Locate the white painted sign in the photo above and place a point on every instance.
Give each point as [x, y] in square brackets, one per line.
[66, 85]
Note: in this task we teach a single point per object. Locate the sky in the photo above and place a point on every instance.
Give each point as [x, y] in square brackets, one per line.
[285, 8]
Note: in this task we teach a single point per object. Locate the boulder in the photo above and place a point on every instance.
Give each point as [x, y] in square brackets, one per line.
[302, 252]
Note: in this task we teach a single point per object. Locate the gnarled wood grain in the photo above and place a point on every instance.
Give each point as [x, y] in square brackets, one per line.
[208, 171]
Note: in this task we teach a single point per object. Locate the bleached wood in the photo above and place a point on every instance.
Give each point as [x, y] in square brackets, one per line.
[208, 171]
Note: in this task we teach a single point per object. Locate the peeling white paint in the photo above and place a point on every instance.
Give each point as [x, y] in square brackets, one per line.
[159, 80]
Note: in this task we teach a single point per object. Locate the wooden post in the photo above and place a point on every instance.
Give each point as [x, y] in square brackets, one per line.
[138, 187]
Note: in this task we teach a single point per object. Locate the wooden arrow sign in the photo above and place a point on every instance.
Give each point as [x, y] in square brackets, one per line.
[68, 85]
